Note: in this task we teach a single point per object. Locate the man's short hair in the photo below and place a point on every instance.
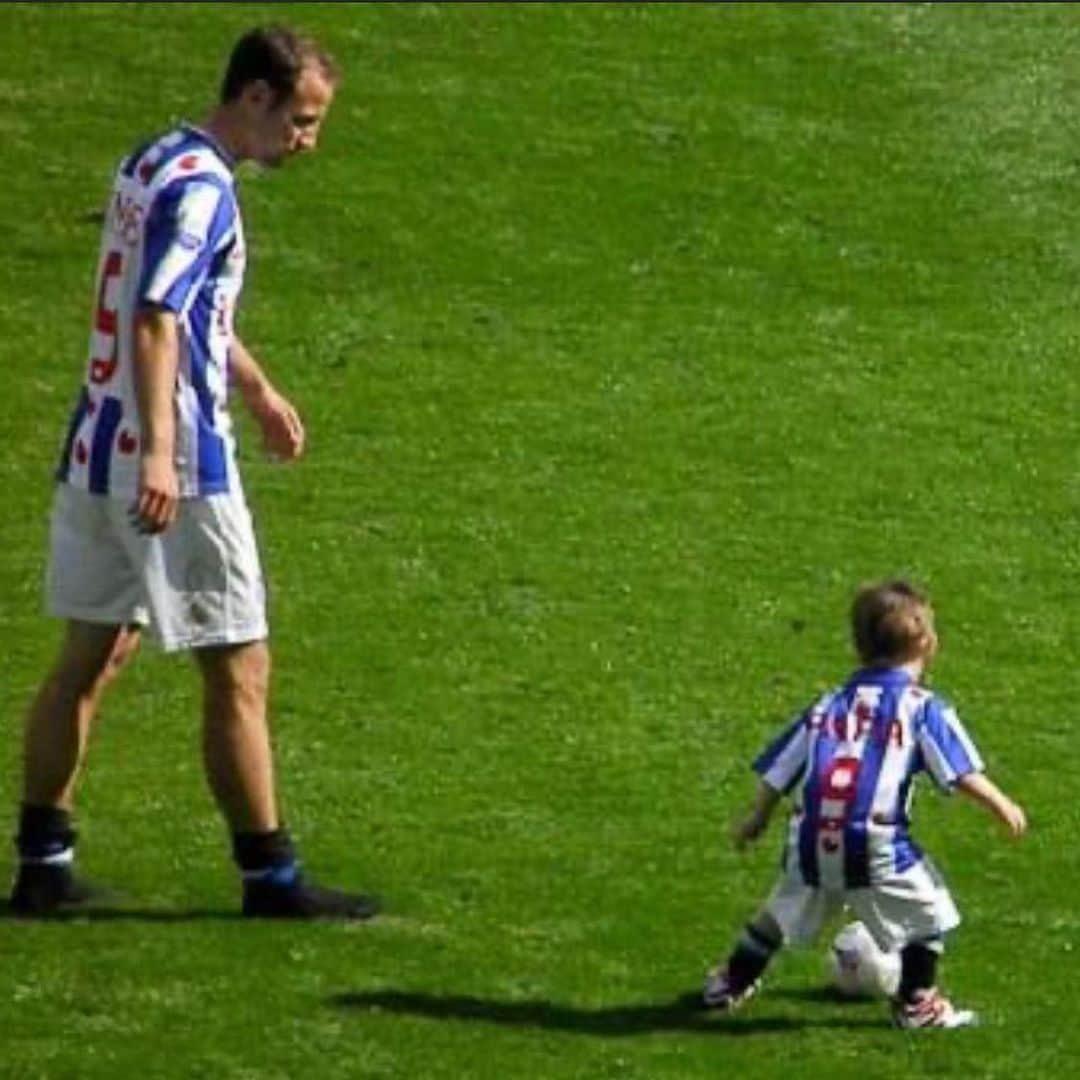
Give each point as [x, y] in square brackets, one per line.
[276, 55]
[891, 621]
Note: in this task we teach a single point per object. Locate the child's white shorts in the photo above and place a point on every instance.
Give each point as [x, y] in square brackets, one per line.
[197, 584]
[905, 907]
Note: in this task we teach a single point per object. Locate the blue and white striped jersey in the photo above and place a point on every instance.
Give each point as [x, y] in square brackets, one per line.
[853, 756]
[172, 238]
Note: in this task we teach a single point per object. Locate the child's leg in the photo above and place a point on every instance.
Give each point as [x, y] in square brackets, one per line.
[915, 907]
[919, 1003]
[729, 985]
[758, 943]
[793, 912]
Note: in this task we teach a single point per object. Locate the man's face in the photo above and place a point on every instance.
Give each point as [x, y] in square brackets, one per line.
[279, 130]
[930, 638]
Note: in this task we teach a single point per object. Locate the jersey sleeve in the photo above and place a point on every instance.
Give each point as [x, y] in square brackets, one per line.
[947, 750]
[187, 222]
[783, 762]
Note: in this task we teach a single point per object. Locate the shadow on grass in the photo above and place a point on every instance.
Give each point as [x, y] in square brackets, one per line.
[684, 1014]
[124, 914]
[820, 995]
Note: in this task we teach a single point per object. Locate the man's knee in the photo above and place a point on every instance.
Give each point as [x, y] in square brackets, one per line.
[92, 656]
[236, 672]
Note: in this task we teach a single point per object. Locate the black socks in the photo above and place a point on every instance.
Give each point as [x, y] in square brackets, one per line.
[266, 857]
[45, 836]
[918, 968]
[750, 957]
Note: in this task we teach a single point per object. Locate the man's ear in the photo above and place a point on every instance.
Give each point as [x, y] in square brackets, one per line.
[257, 94]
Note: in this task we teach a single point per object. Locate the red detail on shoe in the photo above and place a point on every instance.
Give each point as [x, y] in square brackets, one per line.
[929, 1008]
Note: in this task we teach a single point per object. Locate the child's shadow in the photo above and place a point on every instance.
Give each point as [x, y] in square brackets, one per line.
[683, 1014]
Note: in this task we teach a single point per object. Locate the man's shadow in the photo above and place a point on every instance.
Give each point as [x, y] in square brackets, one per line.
[684, 1014]
[108, 914]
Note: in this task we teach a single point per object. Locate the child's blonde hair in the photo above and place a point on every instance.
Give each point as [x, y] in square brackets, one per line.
[892, 622]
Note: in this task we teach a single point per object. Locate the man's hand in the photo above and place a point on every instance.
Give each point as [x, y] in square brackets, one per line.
[155, 506]
[282, 428]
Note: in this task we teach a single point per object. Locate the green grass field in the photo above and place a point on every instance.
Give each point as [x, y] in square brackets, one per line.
[630, 338]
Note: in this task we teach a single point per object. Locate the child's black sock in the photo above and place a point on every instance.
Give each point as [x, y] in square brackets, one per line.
[750, 957]
[918, 967]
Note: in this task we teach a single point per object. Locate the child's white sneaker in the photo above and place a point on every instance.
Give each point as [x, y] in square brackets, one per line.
[931, 1009]
[721, 993]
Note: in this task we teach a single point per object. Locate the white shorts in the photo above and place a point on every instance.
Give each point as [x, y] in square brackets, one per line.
[905, 907]
[197, 584]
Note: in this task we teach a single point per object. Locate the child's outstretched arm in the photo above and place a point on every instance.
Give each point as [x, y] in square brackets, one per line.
[988, 794]
[753, 825]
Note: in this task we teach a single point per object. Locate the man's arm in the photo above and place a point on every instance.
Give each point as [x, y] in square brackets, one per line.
[156, 355]
[985, 792]
[283, 431]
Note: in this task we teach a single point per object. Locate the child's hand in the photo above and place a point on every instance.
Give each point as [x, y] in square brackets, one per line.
[753, 825]
[1013, 817]
[984, 791]
[748, 830]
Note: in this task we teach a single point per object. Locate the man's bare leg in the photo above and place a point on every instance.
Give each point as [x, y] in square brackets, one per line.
[236, 736]
[57, 732]
[60, 718]
[239, 767]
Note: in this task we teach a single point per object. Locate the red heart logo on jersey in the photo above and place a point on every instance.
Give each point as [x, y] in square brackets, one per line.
[127, 443]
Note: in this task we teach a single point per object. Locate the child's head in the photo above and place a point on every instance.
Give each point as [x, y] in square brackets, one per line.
[892, 623]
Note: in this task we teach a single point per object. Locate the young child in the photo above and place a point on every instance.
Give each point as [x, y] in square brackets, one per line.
[853, 756]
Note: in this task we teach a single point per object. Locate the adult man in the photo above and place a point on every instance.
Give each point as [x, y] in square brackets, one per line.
[149, 522]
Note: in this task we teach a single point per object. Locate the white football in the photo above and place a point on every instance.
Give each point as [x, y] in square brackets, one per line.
[859, 968]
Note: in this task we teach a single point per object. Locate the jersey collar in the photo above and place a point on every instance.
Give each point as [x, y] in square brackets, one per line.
[214, 145]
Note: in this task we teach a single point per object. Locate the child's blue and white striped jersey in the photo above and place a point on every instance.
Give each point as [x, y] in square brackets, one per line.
[853, 756]
[172, 239]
